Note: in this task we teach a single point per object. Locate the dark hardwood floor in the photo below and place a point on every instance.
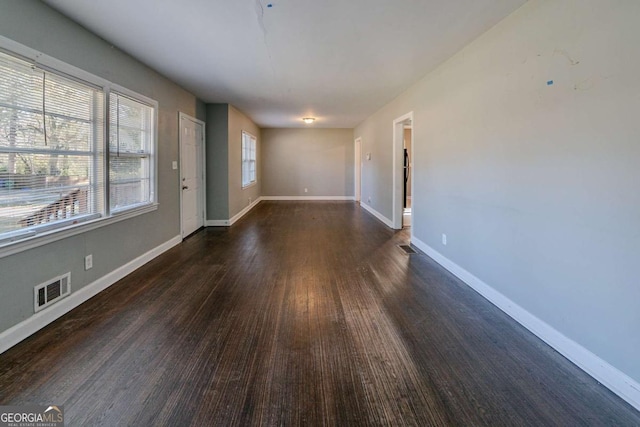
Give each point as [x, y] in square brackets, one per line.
[300, 314]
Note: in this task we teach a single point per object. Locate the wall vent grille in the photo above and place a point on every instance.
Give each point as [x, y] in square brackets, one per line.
[51, 291]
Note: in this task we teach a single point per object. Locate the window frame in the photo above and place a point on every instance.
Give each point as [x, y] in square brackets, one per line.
[15, 241]
[153, 157]
[254, 141]
[91, 152]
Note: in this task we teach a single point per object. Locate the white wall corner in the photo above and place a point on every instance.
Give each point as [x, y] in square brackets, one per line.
[39, 320]
[612, 378]
[386, 221]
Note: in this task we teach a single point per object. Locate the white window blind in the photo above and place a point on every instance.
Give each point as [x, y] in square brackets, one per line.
[130, 152]
[248, 159]
[51, 148]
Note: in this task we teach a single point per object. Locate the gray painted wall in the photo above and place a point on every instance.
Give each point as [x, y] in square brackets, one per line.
[377, 178]
[239, 198]
[37, 26]
[535, 184]
[225, 195]
[321, 160]
[217, 152]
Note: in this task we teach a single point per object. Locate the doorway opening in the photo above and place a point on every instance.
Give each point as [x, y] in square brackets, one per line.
[357, 171]
[406, 190]
[403, 198]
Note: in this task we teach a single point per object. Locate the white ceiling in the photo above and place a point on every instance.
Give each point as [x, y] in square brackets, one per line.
[337, 60]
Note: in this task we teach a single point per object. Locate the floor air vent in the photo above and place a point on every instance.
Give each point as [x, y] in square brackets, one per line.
[51, 291]
[407, 249]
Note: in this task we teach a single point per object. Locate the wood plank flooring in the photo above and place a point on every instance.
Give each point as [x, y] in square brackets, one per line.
[300, 314]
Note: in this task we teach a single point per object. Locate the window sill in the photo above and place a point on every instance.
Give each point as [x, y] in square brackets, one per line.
[12, 248]
[250, 185]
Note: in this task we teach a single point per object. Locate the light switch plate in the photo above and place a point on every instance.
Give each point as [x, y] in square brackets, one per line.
[174, 165]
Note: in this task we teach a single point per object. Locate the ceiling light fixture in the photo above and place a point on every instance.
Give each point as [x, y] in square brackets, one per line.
[309, 120]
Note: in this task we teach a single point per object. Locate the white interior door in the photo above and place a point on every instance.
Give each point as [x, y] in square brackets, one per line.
[191, 174]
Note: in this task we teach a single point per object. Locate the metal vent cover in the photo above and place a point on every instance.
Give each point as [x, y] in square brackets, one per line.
[51, 291]
[407, 249]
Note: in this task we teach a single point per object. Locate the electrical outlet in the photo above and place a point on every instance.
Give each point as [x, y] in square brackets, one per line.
[306, 190]
[369, 199]
[88, 262]
[444, 239]
[249, 200]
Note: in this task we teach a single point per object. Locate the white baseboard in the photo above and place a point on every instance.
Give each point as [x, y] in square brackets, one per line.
[244, 211]
[612, 378]
[27, 327]
[234, 219]
[293, 198]
[216, 223]
[386, 221]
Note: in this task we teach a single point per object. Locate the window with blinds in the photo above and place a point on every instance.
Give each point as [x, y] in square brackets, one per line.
[51, 137]
[248, 159]
[130, 143]
[53, 150]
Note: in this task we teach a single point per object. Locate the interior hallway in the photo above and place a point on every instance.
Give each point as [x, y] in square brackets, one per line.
[302, 313]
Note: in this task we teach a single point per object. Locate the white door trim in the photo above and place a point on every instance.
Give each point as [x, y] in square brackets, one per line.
[357, 170]
[398, 173]
[203, 189]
